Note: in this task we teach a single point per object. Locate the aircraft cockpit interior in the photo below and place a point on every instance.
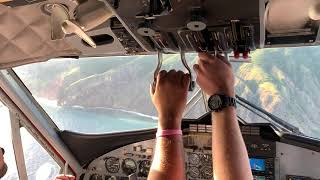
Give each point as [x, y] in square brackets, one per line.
[273, 150]
[74, 74]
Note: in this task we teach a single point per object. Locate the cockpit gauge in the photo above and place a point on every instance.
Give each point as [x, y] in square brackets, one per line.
[206, 159]
[207, 172]
[144, 168]
[95, 177]
[112, 164]
[129, 166]
[194, 158]
[194, 172]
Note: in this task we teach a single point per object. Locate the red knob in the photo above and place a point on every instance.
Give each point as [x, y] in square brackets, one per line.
[236, 54]
[245, 55]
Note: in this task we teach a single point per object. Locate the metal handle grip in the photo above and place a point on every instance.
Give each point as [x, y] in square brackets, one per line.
[185, 64]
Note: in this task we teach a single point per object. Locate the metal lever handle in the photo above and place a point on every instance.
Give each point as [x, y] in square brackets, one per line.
[185, 64]
[158, 68]
[70, 27]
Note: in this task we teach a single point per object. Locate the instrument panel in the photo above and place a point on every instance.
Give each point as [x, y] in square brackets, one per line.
[137, 158]
[134, 161]
[121, 163]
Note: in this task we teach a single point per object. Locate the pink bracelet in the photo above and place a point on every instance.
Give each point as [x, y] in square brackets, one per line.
[168, 132]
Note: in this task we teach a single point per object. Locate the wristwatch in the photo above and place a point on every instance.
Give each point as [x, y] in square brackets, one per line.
[218, 101]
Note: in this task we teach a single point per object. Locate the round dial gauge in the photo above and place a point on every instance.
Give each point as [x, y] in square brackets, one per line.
[112, 164]
[206, 159]
[194, 172]
[207, 172]
[144, 168]
[129, 166]
[95, 177]
[194, 158]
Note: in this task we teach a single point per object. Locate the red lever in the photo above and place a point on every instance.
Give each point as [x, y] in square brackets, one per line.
[236, 54]
[245, 55]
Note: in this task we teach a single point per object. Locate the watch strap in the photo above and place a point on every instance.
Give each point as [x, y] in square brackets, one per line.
[228, 101]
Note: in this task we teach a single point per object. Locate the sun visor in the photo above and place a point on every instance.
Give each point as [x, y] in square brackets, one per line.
[285, 16]
[25, 37]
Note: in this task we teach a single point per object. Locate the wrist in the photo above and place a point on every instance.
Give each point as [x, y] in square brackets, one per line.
[225, 111]
[169, 122]
[224, 91]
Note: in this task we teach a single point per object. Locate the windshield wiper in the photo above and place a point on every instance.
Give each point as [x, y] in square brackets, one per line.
[272, 118]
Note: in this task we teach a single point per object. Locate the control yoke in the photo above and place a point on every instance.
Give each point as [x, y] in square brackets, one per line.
[185, 64]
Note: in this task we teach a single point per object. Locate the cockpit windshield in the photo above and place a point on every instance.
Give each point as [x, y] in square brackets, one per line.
[108, 94]
[100, 94]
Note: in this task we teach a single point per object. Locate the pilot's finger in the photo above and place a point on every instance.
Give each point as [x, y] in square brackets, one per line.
[205, 57]
[152, 89]
[180, 76]
[224, 60]
[161, 75]
[186, 80]
[172, 76]
[180, 73]
[171, 72]
[196, 68]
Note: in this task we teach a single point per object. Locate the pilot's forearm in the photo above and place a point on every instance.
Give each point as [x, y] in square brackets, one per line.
[230, 155]
[168, 160]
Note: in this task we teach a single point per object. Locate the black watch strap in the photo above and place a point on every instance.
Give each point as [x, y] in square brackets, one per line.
[229, 101]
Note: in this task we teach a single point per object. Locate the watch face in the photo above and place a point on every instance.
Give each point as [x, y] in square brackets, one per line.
[215, 102]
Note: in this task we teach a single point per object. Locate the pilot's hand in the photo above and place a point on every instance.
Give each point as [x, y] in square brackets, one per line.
[214, 75]
[3, 166]
[170, 97]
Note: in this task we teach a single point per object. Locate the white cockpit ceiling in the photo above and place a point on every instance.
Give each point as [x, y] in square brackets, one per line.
[25, 37]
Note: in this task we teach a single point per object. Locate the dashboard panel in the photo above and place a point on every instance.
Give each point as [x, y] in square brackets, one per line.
[275, 152]
[133, 161]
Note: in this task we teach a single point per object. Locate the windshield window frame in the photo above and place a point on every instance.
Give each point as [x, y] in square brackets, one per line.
[22, 102]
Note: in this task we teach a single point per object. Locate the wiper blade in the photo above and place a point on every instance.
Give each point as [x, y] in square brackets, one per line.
[272, 117]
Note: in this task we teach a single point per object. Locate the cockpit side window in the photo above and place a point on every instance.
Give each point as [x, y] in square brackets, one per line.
[39, 164]
[6, 144]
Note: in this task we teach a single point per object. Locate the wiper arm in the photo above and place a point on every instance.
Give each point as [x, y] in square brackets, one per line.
[272, 117]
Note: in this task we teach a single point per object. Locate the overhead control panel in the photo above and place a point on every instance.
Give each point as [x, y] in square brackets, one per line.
[221, 26]
[191, 26]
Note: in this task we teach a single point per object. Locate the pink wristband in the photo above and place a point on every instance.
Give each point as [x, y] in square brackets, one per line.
[168, 132]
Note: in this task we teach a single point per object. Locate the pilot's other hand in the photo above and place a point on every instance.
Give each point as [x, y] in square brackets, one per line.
[214, 75]
[170, 97]
[3, 166]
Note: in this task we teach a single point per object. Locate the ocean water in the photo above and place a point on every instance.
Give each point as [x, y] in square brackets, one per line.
[40, 166]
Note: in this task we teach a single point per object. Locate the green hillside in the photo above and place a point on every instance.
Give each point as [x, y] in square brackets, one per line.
[285, 82]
